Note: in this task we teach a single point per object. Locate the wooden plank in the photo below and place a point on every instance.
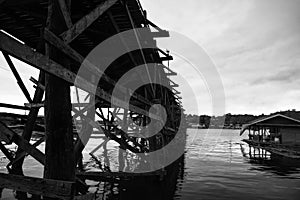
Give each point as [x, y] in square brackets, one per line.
[38, 186]
[66, 13]
[69, 35]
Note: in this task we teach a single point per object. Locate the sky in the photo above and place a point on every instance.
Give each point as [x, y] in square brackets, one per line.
[254, 45]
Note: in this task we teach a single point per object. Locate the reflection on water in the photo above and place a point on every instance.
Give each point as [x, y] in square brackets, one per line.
[216, 165]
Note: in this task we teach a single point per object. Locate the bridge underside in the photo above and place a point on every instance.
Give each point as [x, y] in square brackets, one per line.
[55, 37]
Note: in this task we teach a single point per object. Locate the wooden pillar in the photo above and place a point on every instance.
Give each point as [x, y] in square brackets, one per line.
[59, 160]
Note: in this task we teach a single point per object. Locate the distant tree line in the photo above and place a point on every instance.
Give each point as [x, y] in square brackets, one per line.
[231, 120]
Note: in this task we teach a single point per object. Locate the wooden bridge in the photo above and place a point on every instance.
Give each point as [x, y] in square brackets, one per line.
[55, 36]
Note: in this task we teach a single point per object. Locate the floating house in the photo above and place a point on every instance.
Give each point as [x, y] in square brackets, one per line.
[276, 134]
[275, 129]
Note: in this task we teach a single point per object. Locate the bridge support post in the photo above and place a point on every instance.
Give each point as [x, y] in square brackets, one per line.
[59, 160]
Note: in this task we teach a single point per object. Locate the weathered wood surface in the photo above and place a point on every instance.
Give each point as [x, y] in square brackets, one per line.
[66, 12]
[38, 186]
[86, 21]
[59, 148]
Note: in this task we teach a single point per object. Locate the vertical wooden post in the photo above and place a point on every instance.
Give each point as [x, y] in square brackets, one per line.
[59, 160]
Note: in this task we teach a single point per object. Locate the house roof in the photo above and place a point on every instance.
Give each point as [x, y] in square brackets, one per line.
[277, 120]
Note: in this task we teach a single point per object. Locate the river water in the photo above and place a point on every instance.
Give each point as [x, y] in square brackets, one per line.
[216, 165]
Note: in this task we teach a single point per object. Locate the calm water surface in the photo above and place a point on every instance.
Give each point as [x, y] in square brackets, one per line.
[216, 165]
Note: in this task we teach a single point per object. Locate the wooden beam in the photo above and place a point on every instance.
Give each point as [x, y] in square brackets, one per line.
[171, 72]
[161, 32]
[5, 105]
[34, 105]
[29, 127]
[17, 76]
[42, 62]
[6, 152]
[37, 83]
[66, 13]
[23, 153]
[57, 42]
[69, 35]
[69, 51]
[30, 149]
[167, 58]
[173, 83]
[8, 136]
[38, 186]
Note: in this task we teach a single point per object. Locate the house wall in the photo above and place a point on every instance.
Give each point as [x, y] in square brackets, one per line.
[290, 136]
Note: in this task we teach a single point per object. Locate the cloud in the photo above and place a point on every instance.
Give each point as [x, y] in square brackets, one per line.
[255, 45]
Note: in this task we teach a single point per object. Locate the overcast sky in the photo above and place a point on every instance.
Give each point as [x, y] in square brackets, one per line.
[255, 45]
